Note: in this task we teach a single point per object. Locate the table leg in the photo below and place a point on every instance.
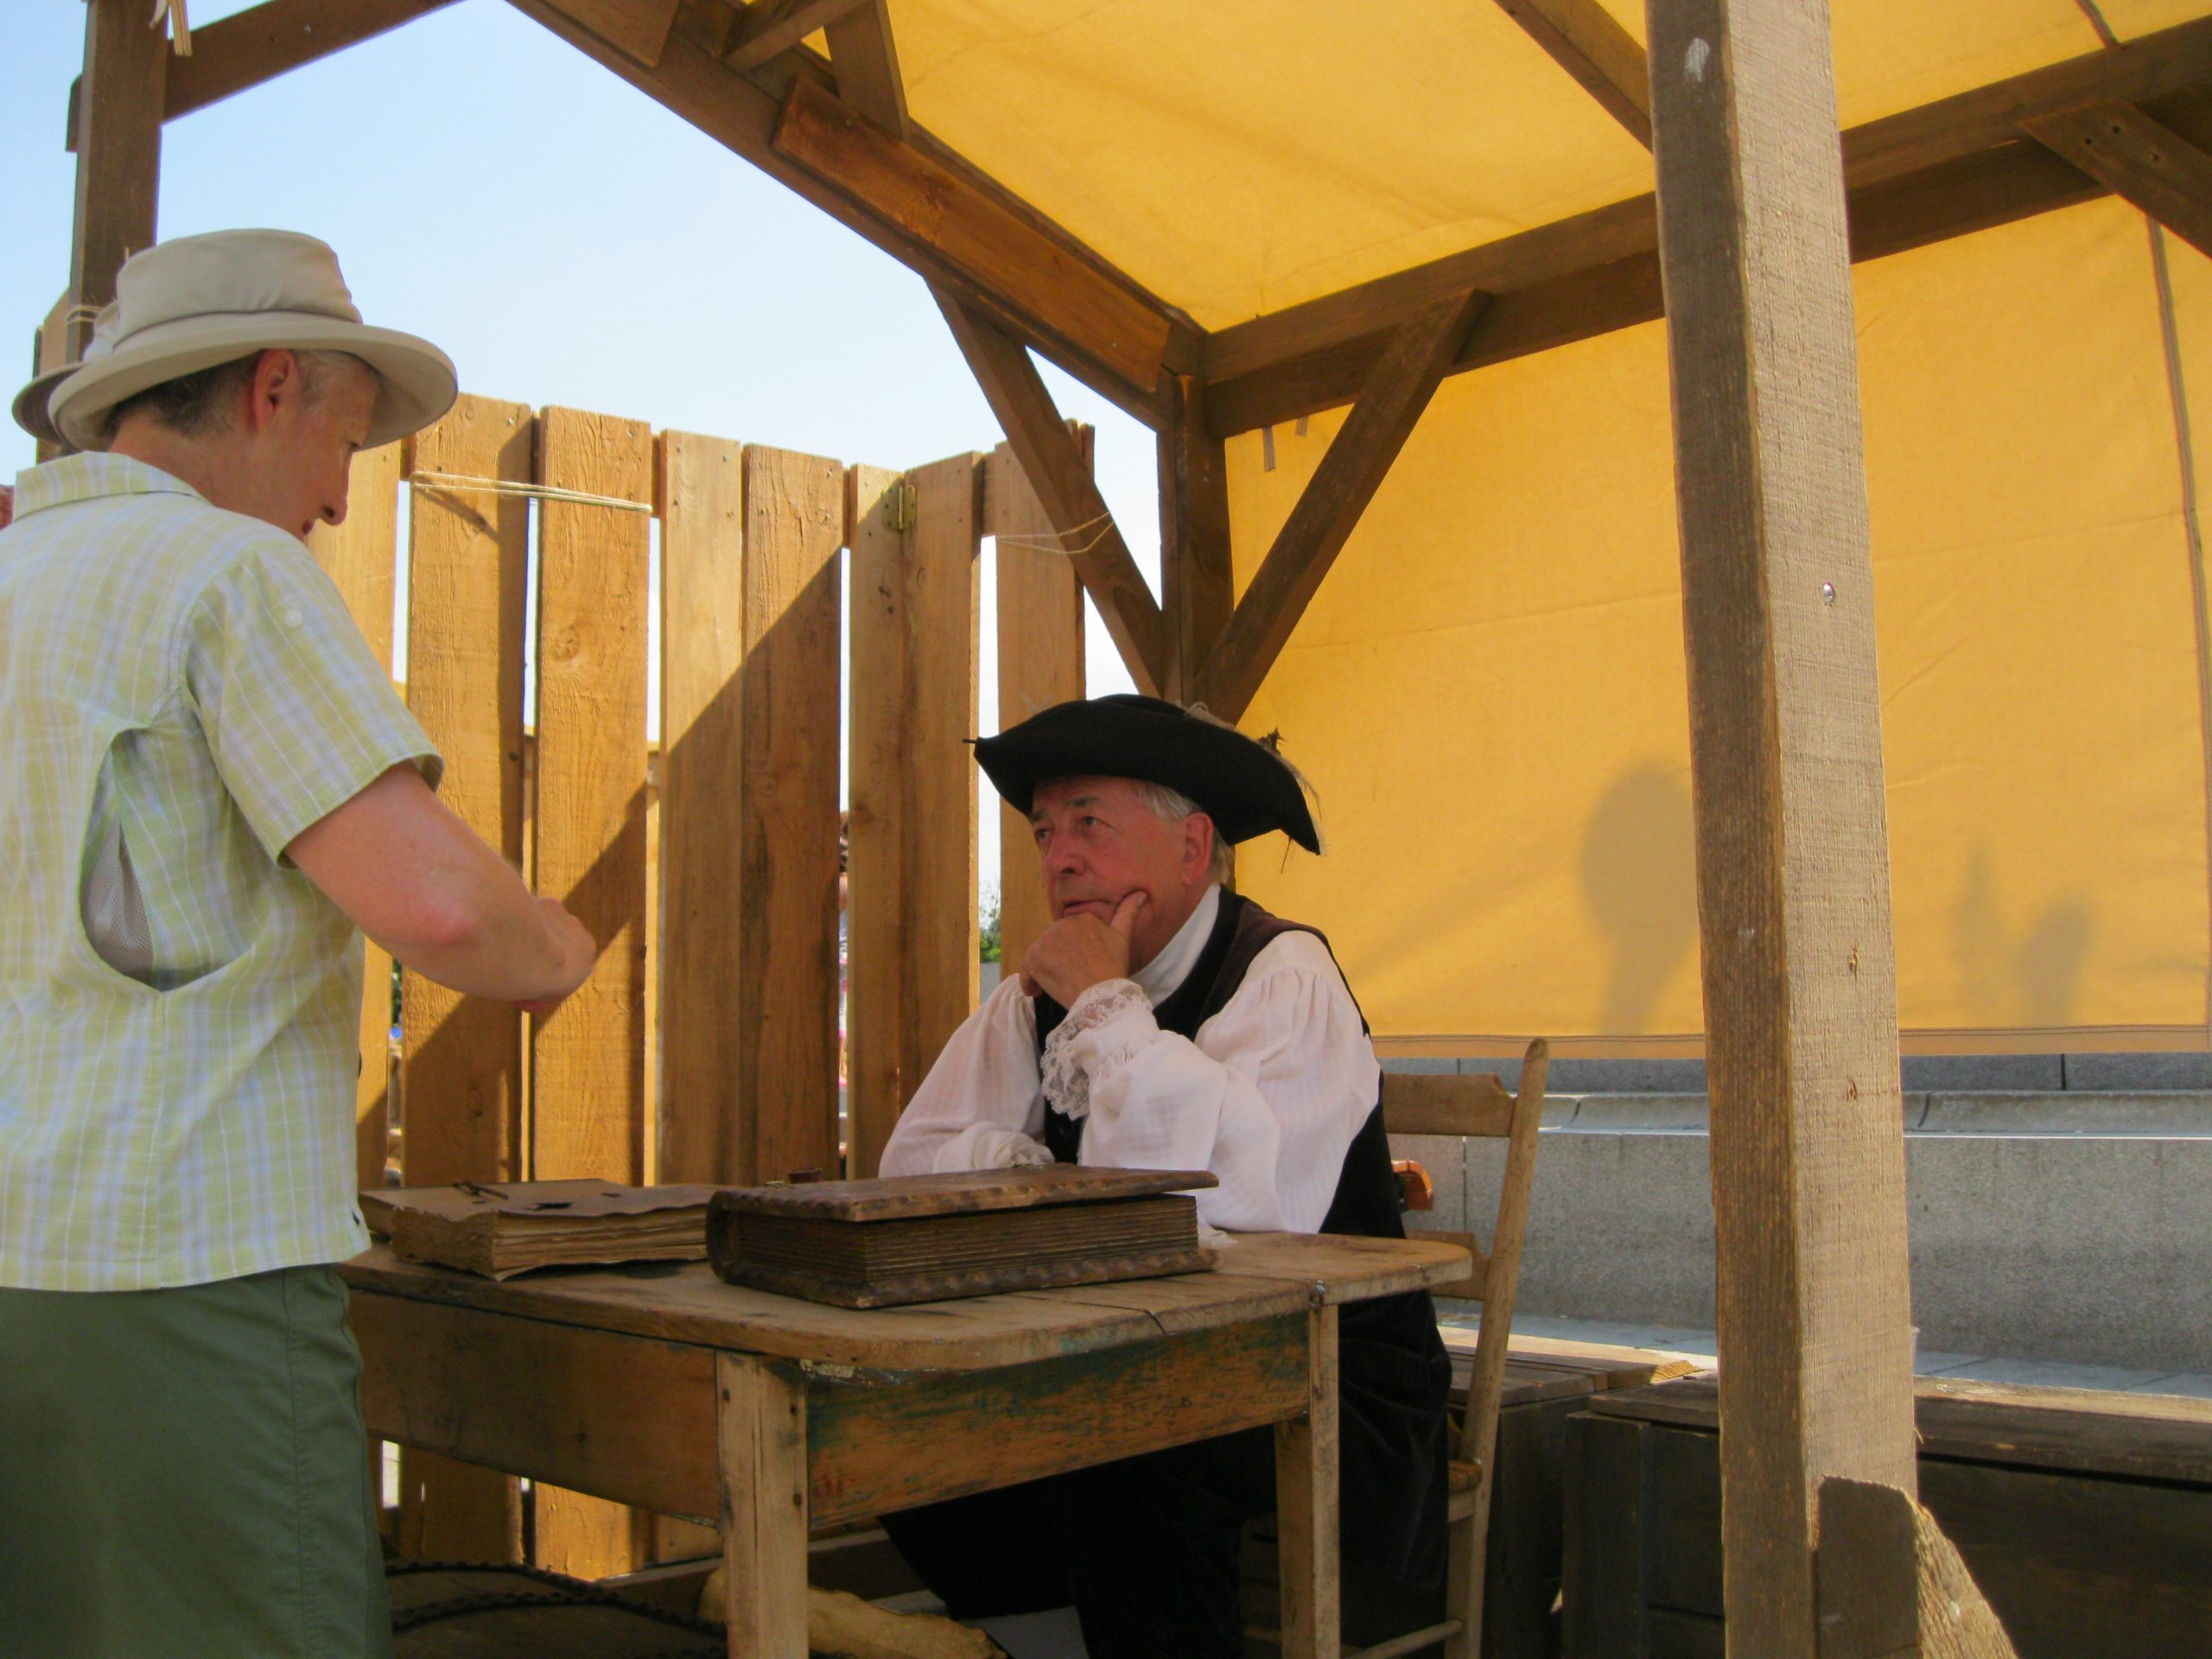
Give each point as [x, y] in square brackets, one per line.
[1305, 1504]
[763, 1435]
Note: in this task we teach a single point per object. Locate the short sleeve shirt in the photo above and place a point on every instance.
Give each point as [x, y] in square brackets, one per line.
[185, 679]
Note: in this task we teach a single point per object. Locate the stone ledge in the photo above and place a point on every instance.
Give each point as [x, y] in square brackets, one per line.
[2176, 1115]
[2094, 1247]
[2014, 1074]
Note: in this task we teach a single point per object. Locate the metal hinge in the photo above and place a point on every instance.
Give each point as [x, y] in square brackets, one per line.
[899, 506]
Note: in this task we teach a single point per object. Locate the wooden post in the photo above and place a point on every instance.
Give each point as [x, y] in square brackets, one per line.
[704, 1135]
[943, 618]
[467, 564]
[1041, 664]
[360, 557]
[1305, 1504]
[1196, 591]
[879, 513]
[1793, 879]
[786, 1007]
[118, 140]
[912, 906]
[749, 811]
[762, 1430]
[466, 567]
[588, 1105]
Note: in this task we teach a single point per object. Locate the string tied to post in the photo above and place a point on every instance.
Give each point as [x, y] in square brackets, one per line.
[1066, 543]
[462, 483]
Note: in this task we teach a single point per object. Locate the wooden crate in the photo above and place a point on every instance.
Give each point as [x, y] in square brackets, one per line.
[2085, 1517]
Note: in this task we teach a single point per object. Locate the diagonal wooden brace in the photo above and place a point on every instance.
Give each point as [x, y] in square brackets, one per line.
[1049, 455]
[2140, 160]
[1358, 459]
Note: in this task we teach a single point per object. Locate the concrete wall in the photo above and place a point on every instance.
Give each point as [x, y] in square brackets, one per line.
[2077, 1228]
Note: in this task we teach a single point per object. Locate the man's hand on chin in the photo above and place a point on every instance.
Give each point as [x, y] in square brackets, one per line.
[1079, 951]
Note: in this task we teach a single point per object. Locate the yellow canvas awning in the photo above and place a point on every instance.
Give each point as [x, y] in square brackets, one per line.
[1488, 689]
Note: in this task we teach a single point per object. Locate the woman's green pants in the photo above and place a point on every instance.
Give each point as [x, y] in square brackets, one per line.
[184, 1473]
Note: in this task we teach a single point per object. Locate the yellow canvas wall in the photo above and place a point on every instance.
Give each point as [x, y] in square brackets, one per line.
[1488, 689]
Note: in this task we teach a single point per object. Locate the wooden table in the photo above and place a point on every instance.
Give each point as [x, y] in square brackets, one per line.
[661, 1387]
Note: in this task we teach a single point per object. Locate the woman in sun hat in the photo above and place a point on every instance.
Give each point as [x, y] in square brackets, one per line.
[208, 791]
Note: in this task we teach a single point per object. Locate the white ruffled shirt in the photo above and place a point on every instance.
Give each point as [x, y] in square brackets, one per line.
[1268, 1096]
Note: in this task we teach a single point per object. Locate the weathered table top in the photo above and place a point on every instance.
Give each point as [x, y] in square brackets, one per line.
[1261, 1275]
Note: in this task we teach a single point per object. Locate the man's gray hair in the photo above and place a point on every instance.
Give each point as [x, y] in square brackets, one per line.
[201, 402]
[1172, 806]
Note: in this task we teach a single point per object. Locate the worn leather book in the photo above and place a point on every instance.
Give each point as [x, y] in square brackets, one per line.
[924, 1238]
[510, 1228]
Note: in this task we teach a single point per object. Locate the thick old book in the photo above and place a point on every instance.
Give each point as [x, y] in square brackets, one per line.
[927, 1238]
[503, 1230]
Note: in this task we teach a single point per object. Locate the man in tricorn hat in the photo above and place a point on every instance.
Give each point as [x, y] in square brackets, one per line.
[208, 791]
[1163, 1022]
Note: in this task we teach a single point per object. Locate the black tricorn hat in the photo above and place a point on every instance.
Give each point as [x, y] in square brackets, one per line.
[1245, 787]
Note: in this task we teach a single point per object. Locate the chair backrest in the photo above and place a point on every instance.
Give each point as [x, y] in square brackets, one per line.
[1478, 1104]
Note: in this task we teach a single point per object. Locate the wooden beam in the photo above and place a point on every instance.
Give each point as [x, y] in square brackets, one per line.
[1197, 591]
[1582, 38]
[1358, 459]
[1799, 977]
[735, 112]
[248, 47]
[1054, 463]
[768, 27]
[638, 29]
[865, 57]
[1945, 170]
[2138, 160]
[2140, 71]
[118, 142]
[988, 245]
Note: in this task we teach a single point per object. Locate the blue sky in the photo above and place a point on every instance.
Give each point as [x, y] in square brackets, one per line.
[563, 238]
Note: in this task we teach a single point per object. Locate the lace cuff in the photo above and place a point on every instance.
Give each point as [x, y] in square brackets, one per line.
[987, 1146]
[1068, 1076]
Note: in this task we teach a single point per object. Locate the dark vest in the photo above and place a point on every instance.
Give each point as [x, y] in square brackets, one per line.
[1395, 1372]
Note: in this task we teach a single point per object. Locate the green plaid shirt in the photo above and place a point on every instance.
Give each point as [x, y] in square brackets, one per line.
[198, 1127]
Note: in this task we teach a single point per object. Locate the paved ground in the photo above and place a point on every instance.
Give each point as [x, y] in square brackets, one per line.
[1700, 1344]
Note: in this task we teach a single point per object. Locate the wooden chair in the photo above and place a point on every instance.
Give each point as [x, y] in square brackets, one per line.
[1474, 1104]
[1471, 1104]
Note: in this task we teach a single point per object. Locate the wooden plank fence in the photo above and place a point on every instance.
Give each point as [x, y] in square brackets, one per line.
[704, 1046]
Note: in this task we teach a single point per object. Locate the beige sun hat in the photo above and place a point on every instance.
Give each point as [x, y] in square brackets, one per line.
[191, 303]
[30, 409]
